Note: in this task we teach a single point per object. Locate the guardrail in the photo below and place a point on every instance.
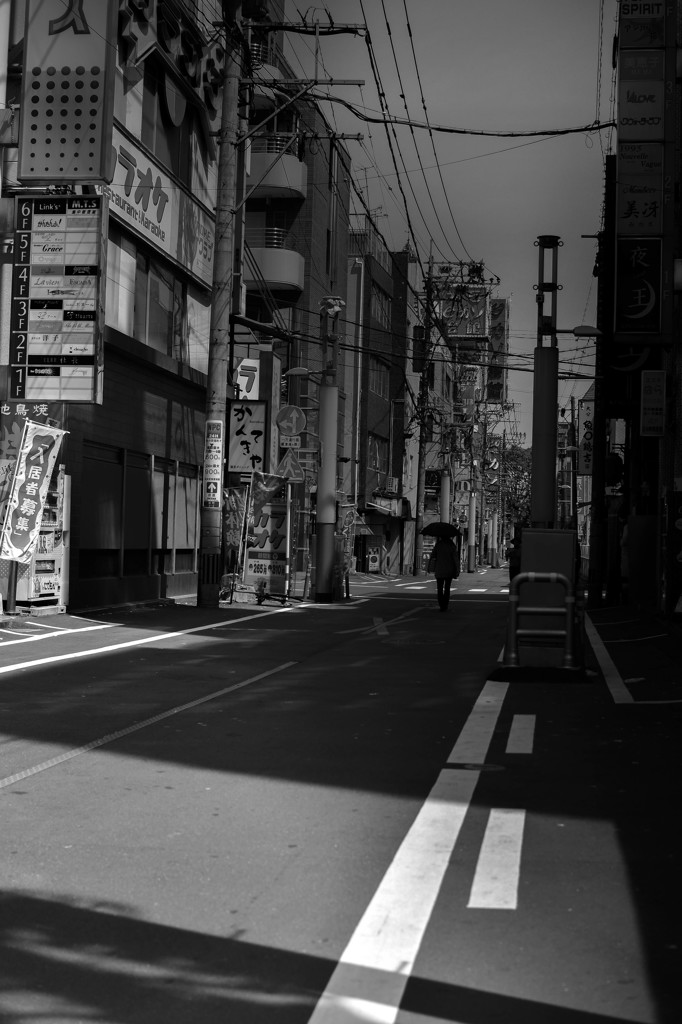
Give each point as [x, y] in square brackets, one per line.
[567, 610]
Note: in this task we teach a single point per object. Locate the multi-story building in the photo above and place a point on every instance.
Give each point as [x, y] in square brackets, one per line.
[133, 455]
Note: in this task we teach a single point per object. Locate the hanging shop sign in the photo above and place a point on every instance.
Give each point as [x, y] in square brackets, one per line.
[585, 437]
[67, 91]
[57, 315]
[638, 285]
[40, 445]
[246, 436]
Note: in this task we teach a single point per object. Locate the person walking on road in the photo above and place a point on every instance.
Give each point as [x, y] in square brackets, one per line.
[444, 562]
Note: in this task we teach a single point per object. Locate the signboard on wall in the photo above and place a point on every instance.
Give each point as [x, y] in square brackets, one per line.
[67, 91]
[56, 323]
[145, 198]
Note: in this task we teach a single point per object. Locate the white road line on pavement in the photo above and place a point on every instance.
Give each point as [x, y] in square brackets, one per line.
[57, 632]
[4, 669]
[520, 739]
[372, 629]
[369, 980]
[496, 881]
[94, 744]
[612, 677]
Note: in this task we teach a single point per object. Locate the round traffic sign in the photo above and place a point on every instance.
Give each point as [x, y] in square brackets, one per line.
[291, 420]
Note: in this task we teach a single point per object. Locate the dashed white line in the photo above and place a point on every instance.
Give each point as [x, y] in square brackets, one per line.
[496, 881]
[520, 739]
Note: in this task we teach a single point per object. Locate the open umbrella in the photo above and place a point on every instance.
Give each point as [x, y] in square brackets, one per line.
[440, 530]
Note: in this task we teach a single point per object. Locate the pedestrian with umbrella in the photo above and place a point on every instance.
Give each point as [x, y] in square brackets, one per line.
[444, 558]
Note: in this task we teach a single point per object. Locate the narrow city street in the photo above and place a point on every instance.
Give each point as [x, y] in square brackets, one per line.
[336, 814]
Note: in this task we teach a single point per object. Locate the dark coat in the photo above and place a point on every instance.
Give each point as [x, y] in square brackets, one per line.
[445, 559]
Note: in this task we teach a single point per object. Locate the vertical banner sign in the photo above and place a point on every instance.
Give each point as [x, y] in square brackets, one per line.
[246, 437]
[37, 456]
[57, 314]
[266, 556]
[638, 286]
[645, 97]
[213, 464]
[234, 516]
[67, 92]
[652, 422]
[585, 437]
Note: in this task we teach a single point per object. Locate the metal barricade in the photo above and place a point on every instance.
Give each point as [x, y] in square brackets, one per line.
[516, 609]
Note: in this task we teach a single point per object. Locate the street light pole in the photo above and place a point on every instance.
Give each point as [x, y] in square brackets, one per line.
[545, 394]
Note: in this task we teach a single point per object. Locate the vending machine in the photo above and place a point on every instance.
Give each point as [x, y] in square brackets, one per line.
[43, 584]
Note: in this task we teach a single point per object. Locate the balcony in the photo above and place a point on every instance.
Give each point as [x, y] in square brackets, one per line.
[275, 169]
[277, 263]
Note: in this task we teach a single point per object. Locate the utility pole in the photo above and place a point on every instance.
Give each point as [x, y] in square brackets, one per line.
[330, 307]
[423, 406]
[210, 540]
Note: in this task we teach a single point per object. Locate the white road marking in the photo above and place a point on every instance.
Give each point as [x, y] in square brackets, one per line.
[369, 980]
[26, 639]
[520, 739]
[496, 881]
[612, 677]
[140, 641]
[372, 629]
[94, 744]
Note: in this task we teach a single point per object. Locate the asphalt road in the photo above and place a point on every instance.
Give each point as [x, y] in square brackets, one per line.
[332, 814]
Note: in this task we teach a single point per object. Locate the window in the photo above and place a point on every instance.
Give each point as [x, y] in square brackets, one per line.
[380, 306]
[166, 121]
[145, 514]
[377, 453]
[378, 377]
[146, 300]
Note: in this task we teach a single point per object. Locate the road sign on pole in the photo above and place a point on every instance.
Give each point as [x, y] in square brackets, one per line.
[291, 468]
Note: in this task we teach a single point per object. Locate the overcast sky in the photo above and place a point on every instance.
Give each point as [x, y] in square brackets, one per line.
[495, 66]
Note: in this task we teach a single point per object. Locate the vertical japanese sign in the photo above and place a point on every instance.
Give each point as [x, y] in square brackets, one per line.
[213, 464]
[234, 517]
[57, 315]
[37, 456]
[585, 437]
[67, 101]
[266, 556]
[638, 286]
[246, 437]
[652, 409]
[646, 60]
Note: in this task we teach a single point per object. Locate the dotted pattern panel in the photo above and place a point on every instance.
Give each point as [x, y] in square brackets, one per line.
[62, 123]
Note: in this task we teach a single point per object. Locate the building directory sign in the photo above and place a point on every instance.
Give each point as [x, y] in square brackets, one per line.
[56, 317]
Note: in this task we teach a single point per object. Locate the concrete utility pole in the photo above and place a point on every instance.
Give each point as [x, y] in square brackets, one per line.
[423, 406]
[210, 541]
[330, 307]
